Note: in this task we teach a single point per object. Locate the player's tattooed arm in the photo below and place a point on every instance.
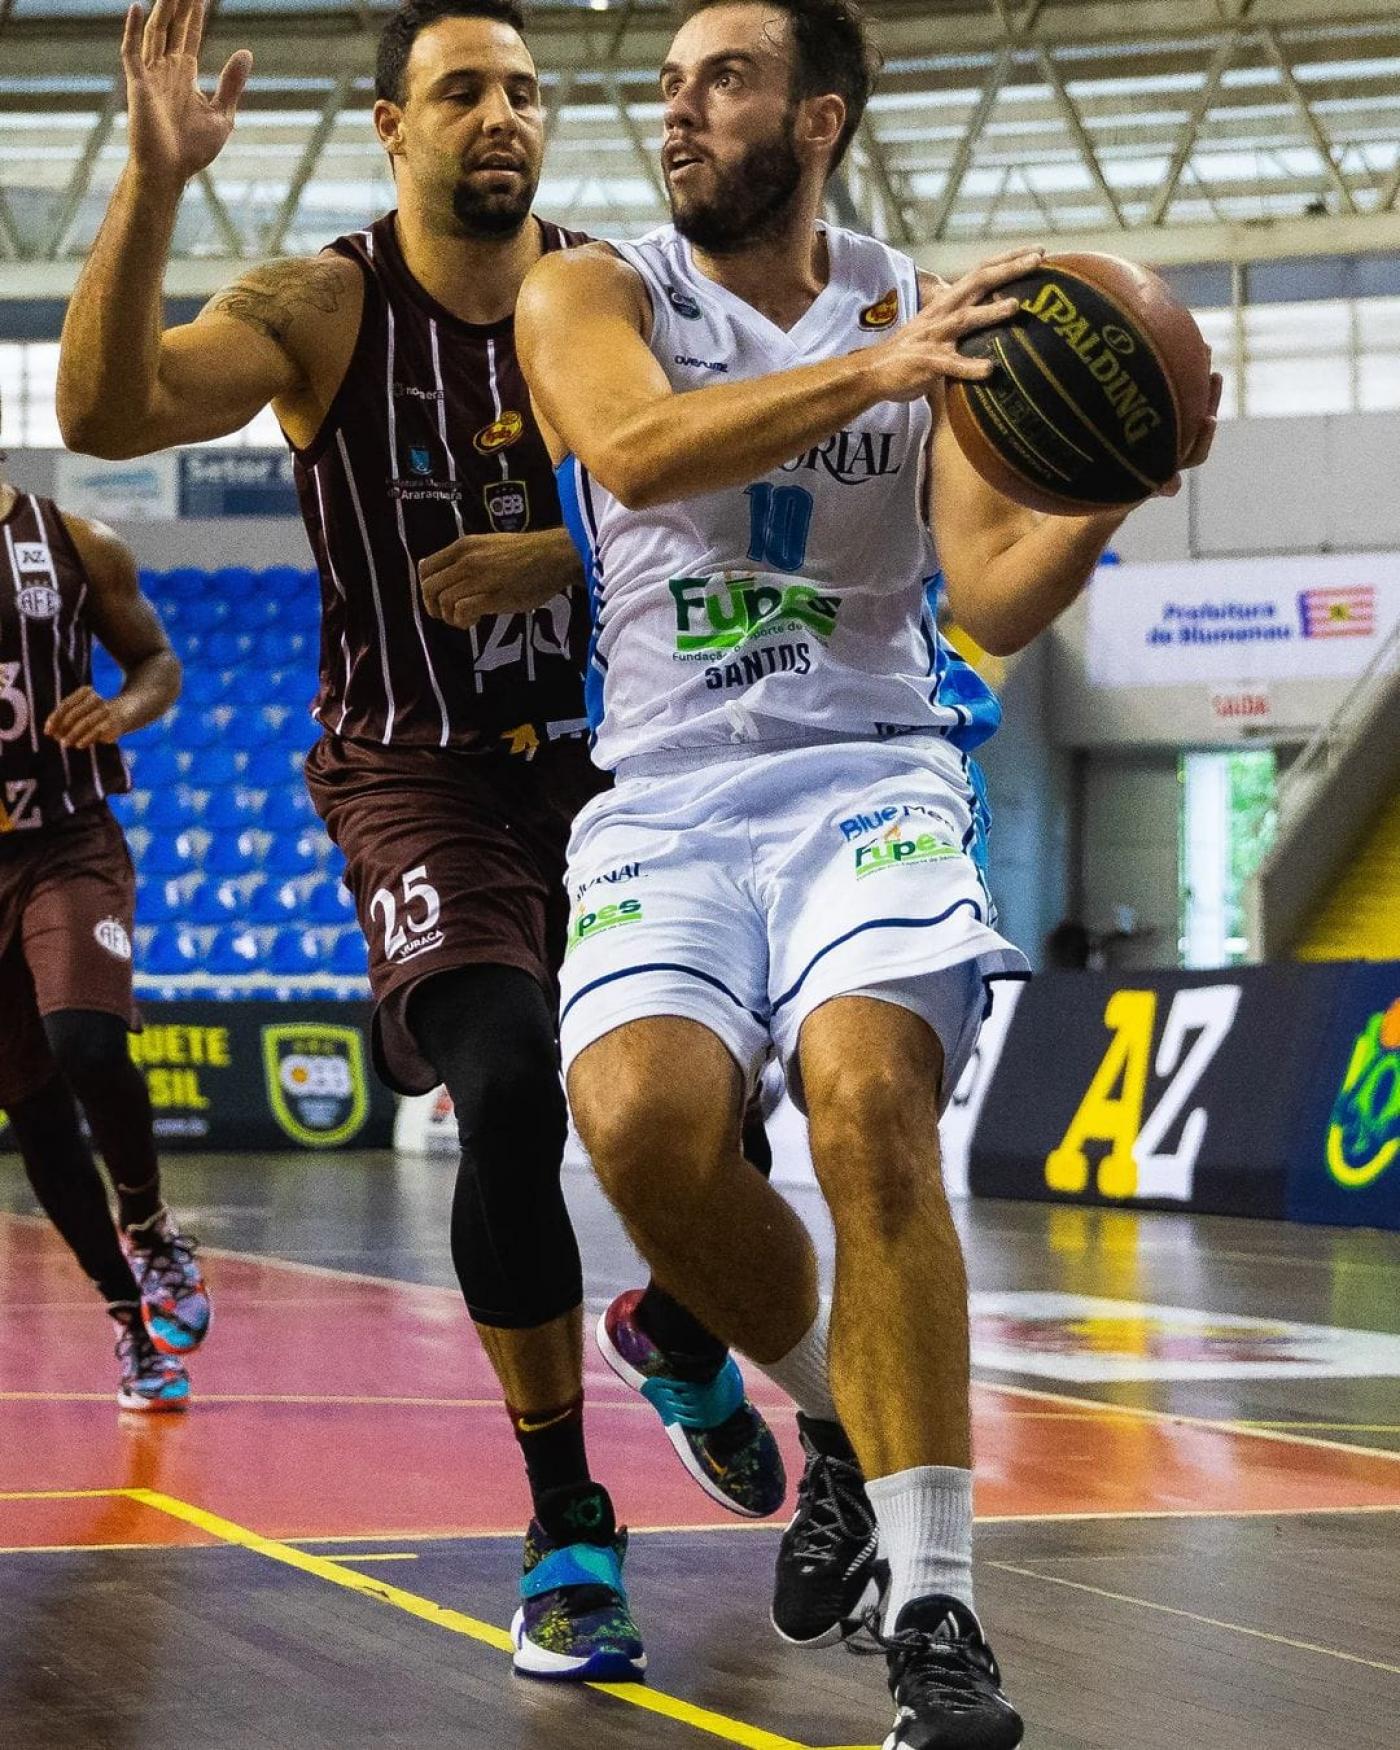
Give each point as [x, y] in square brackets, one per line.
[125, 622]
[275, 298]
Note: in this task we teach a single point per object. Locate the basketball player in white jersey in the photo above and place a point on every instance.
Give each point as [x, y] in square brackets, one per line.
[746, 413]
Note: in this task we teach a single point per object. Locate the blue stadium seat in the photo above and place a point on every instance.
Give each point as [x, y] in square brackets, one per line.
[295, 952]
[229, 649]
[173, 949]
[292, 854]
[204, 688]
[292, 687]
[232, 809]
[206, 613]
[153, 766]
[237, 583]
[267, 905]
[215, 766]
[288, 808]
[159, 902]
[329, 902]
[185, 580]
[248, 730]
[235, 949]
[170, 811]
[349, 957]
[160, 858]
[227, 856]
[203, 905]
[267, 768]
[127, 806]
[196, 730]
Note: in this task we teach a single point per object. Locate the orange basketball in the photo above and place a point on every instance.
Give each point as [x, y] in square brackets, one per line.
[1101, 385]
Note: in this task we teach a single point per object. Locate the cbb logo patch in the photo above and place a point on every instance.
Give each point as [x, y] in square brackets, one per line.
[883, 312]
[500, 434]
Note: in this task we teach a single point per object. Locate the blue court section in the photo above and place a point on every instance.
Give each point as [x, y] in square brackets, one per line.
[239, 889]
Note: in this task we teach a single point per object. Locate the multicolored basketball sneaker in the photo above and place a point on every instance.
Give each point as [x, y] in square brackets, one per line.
[149, 1381]
[719, 1436]
[574, 1624]
[174, 1300]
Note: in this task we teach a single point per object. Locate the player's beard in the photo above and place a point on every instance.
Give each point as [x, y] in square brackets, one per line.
[751, 199]
[492, 217]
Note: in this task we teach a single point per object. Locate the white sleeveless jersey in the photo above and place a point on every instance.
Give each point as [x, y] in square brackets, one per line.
[797, 608]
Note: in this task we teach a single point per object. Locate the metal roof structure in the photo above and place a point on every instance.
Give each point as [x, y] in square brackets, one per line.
[1172, 131]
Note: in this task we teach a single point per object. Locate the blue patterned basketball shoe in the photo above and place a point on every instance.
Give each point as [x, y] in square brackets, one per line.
[174, 1300]
[149, 1381]
[574, 1624]
[719, 1436]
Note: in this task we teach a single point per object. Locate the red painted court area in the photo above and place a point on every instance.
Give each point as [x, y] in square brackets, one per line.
[330, 1405]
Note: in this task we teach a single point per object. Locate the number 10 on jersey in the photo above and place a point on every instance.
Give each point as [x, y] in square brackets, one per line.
[780, 519]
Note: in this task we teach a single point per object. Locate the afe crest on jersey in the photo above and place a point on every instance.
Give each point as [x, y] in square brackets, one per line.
[39, 602]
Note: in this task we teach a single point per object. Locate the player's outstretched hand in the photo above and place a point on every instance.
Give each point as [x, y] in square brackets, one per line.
[173, 129]
[83, 719]
[913, 359]
[479, 575]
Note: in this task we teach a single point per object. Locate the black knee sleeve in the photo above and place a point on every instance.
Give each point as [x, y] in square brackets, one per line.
[489, 1033]
[66, 1183]
[91, 1050]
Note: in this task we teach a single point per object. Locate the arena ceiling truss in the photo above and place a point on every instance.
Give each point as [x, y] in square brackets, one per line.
[1174, 131]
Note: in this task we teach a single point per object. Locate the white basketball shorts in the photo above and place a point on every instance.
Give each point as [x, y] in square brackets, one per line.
[745, 893]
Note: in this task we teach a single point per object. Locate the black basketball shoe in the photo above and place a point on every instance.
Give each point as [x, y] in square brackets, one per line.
[945, 1682]
[828, 1573]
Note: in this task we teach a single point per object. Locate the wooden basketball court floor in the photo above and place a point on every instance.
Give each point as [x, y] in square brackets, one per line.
[1189, 1491]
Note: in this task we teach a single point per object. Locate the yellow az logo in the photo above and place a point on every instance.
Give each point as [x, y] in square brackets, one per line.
[1114, 1108]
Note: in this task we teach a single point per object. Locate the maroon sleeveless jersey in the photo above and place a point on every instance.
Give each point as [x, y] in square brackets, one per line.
[45, 654]
[430, 437]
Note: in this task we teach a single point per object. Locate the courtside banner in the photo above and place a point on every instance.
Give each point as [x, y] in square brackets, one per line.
[264, 1076]
[1346, 1169]
[1240, 623]
[1162, 1090]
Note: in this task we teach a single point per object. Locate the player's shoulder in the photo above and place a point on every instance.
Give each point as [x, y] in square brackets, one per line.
[592, 271]
[105, 556]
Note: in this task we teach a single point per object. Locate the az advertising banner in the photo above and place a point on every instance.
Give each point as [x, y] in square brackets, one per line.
[1171, 1090]
[1346, 1168]
[265, 1076]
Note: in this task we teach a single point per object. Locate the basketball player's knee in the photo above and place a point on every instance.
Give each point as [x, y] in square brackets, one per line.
[648, 1143]
[90, 1048]
[874, 1134]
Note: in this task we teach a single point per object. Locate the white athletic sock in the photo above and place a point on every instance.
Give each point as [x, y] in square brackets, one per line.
[803, 1373]
[925, 1520]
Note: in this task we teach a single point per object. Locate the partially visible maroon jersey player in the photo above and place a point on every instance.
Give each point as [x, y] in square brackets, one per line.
[67, 898]
[454, 755]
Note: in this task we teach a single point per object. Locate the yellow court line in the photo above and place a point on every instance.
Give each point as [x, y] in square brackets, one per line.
[61, 1494]
[1242, 1430]
[1237, 1628]
[652, 1700]
[381, 1556]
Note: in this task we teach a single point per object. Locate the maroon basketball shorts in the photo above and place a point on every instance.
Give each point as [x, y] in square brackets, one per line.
[454, 859]
[67, 905]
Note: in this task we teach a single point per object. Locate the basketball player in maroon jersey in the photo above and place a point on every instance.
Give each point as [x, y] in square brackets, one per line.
[453, 758]
[67, 896]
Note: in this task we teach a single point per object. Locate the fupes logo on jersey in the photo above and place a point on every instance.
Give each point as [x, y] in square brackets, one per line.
[883, 312]
[1363, 1135]
[725, 613]
[500, 434]
[507, 505]
[316, 1082]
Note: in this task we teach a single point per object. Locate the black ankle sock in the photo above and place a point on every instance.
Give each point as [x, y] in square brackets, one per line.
[578, 1513]
[552, 1444]
[829, 1438]
[691, 1351]
[137, 1204]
